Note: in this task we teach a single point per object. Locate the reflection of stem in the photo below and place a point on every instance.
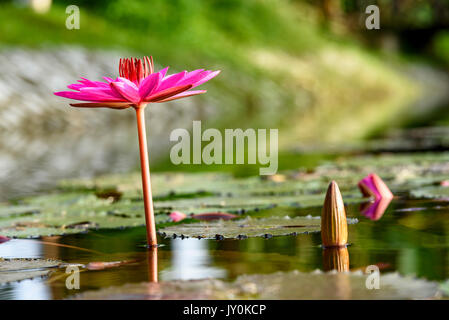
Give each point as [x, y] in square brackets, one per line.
[336, 259]
[146, 183]
[66, 246]
[152, 265]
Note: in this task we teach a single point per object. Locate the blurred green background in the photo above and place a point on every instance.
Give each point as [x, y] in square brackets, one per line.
[309, 68]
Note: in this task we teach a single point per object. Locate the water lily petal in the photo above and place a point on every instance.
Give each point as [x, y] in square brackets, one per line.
[90, 83]
[207, 77]
[183, 95]
[76, 86]
[194, 76]
[150, 84]
[126, 90]
[109, 80]
[164, 71]
[86, 96]
[172, 80]
[161, 95]
[112, 105]
[102, 94]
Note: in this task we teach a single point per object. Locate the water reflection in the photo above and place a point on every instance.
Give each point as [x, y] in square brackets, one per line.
[191, 260]
[336, 259]
[375, 210]
[21, 249]
[152, 265]
[35, 289]
[413, 242]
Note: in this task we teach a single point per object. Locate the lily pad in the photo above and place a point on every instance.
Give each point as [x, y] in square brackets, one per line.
[248, 227]
[115, 201]
[17, 210]
[292, 285]
[12, 270]
[431, 192]
[73, 213]
[78, 211]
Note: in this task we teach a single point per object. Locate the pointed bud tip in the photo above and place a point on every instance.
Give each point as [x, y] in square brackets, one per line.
[334, 229]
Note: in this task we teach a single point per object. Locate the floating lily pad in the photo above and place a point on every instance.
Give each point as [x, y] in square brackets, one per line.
[248, 227]
[116, 201]
[431, 192]
[81, 208]
[12, 270]
[73, 213]
[293, 285]
[17, 210]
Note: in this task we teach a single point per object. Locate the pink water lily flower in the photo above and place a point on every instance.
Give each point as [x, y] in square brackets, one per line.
[137, 86]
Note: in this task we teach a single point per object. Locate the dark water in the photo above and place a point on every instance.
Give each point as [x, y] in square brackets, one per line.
[411, 237]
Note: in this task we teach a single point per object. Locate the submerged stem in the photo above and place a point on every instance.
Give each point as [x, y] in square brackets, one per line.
[152, 265]
[146, 183]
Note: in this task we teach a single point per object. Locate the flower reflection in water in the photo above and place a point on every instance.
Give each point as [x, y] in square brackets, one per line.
[375, 210]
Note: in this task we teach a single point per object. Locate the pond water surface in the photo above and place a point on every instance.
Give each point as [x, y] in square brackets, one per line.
[412, 237]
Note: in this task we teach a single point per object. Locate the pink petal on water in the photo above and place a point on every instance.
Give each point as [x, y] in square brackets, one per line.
[100, 265]
[177, 216]
[444, 183]
[368, 188]
[4, 239]
[381, 187]
[373, 186]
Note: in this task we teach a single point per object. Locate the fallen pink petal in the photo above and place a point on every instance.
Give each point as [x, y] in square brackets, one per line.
[100, 265]
[373, 186]
[4, 239]
[177, 216]
[444, 183]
